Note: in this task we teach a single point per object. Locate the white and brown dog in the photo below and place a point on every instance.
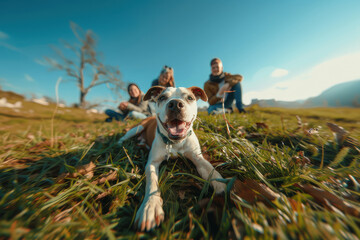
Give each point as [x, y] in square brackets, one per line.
[169, 132]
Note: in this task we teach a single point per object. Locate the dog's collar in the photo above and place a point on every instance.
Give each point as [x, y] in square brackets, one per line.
[166, 140]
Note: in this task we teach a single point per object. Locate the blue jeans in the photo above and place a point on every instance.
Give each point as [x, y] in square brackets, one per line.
[112, 114]
[121, 116]
[229, 99]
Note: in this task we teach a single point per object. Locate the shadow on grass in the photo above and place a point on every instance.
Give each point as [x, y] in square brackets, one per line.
[59, 188]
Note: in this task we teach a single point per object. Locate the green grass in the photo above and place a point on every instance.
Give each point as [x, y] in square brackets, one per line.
[50, 190]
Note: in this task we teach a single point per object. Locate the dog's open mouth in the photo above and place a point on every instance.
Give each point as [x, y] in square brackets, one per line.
[176, 128]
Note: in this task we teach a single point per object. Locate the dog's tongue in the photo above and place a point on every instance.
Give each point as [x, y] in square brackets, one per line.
[176, 127]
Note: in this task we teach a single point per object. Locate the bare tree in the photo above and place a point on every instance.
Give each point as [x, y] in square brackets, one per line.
[85, 60]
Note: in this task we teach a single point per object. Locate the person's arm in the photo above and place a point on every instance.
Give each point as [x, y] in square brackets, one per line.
[212, 98]
[142, 107]
[222, 90]
[233, 79]
[133, 107]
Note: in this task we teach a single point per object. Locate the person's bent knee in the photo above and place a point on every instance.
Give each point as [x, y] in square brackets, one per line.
[108, 111]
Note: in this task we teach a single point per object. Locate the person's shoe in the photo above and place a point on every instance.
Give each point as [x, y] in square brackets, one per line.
[242, 111]
[108, 120]
[221, 111]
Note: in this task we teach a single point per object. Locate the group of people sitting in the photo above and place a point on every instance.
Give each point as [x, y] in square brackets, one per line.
[222, 89]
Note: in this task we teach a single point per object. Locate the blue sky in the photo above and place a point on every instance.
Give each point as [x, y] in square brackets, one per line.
[285, 50]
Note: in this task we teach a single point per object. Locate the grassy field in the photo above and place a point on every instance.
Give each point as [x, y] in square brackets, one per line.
[290, 175]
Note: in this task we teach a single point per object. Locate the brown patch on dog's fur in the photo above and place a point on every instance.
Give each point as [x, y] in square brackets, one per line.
[149, 125]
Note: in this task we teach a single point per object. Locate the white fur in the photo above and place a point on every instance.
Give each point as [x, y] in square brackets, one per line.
[150, 213]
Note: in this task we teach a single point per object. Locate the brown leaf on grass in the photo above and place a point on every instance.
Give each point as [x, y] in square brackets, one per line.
[261, 125]
[328, 200]
[209, 158]
[15, 230]
[241, 131]
[10, 146]
[253, 191]
[104, 194]
[64, 215]
[111, 176]
[254, 135]
[296, 206]
[86, 170]
[339, 132]
[45, 146]
[30, 136]
[196, 184]
[343, 137]
[181, 194]
[112, 132]
[214, 211]
[18, 163]
[301, 159]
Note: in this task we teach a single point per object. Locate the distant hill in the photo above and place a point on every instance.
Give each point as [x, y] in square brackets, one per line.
[341, 95]
[11, 95]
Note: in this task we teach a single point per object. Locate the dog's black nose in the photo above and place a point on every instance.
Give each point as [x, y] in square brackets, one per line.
[175, 105]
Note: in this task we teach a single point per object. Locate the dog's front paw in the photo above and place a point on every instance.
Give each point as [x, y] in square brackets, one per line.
[219, 187]
[150, 213]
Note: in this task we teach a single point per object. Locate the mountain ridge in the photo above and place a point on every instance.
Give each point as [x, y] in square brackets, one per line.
[345, 94]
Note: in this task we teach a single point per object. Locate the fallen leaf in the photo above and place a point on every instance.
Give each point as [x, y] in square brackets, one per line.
[111, 176]
[261, 125]
[301, 159]
[328, 199]
[45, 146]
[181, 194]
[339, 132]
[252, 191]
[241, 131]
[86, 170]
[104, 194]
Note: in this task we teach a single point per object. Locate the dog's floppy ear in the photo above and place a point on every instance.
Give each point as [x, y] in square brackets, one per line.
[153, 92]
[199, 93]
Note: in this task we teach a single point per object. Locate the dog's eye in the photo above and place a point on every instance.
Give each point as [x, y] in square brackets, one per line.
[190, 98]
[162, 98]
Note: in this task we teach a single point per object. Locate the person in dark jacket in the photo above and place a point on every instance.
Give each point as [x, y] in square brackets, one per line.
[134, 108]
[166, 78]
[223, 88]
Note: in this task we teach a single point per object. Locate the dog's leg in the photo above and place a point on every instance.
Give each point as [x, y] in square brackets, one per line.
[204, 168]
[150, 213]
[132, 132]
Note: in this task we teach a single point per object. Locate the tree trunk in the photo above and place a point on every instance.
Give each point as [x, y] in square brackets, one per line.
[82, 99]
[81, 79]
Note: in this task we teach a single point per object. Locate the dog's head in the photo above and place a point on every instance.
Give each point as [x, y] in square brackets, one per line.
[175, 108]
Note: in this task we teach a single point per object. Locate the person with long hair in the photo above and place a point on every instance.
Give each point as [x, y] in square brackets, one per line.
[166, 78]
[134, 108]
